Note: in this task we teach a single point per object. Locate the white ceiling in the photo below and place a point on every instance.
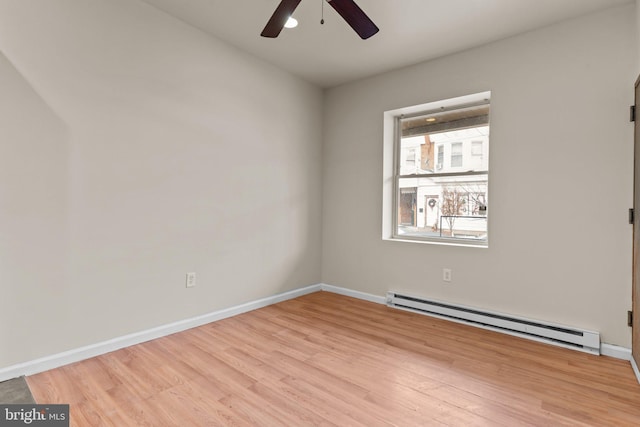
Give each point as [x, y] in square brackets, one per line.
[411, 31]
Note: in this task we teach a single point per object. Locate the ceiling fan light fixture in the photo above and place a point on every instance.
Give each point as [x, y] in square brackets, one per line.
[348, 9]
[291, 22]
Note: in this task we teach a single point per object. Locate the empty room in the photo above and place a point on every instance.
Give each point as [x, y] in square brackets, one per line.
[319, 212]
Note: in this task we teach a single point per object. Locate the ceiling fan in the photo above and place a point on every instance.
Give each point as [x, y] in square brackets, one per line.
[348, 9]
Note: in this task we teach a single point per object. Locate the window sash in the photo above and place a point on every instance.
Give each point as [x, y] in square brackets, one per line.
[445, 174]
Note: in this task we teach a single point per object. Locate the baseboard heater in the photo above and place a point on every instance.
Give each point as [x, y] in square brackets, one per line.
[563, 336]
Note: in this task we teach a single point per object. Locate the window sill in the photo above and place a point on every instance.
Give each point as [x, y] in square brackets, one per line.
[443, 242]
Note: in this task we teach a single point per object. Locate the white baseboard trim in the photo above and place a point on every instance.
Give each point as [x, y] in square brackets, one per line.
[355, 294]
[635, 369]
[60, 359]
[616, 351]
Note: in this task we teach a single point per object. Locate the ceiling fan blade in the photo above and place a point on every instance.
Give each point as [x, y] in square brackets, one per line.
[355, 17]
[279, 18]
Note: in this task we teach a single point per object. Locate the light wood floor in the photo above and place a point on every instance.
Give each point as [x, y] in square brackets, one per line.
[325, 359]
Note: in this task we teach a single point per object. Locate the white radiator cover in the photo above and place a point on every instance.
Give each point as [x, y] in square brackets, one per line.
[563, 336]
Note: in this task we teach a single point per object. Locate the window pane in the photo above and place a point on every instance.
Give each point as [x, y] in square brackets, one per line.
[443, 207]
[456, 154]
[476, 148]
[476, 156]
[417, 153]
[445, 152]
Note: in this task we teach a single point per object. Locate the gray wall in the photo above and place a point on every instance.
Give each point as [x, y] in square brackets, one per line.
[135, 149]
[561, 167]
[34, 154]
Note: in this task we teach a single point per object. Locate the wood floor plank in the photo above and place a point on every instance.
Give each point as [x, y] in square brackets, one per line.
[330, 360]
[280, 395]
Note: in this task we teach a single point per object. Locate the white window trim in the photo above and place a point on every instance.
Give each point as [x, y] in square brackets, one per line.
[389, 154]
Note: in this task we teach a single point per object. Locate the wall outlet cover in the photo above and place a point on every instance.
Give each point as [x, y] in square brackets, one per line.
[191, 280]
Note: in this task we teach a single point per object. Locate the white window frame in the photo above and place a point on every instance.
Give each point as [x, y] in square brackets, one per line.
[391, 151]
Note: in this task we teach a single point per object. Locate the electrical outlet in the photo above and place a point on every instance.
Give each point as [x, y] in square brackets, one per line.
[191, 280]
[446, 274]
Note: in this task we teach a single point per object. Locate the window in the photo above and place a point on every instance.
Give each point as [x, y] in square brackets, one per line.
[476, 155]
[456, 154]
[446, 203]
[411, 158]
